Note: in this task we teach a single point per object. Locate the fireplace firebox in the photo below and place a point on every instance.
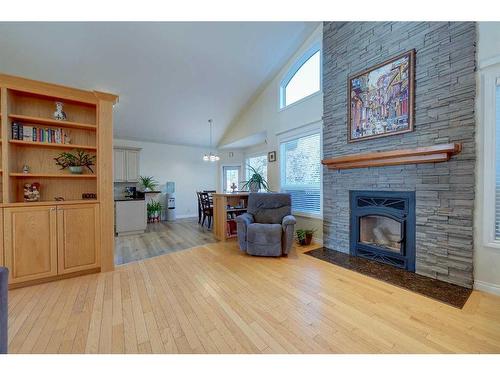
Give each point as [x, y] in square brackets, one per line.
[383, 227]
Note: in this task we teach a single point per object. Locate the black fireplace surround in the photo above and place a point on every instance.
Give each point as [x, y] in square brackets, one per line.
[383, 227]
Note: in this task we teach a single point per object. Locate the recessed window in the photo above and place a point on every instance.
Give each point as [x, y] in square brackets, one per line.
[231, 176]
[259, 163]
[300, 170]
[303, 79]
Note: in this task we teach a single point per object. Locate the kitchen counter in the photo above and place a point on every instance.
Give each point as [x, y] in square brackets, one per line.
[123, 199]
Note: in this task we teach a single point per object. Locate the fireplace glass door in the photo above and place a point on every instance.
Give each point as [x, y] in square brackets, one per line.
[380, 231]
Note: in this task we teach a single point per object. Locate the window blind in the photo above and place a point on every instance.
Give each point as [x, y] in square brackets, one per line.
[301, 172]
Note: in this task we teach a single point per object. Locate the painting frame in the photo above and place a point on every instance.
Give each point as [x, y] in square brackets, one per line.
[411, 96]
[271, 156]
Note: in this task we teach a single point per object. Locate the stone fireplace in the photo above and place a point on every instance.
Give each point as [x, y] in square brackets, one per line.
[445, 90]
[382, 227]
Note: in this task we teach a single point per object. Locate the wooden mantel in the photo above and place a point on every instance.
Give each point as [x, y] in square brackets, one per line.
[430, 154]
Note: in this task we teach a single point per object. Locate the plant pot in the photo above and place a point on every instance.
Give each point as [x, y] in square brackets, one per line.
[76, 169]
[147, 190]
[308, 239]
[253, 187]
[302, 242]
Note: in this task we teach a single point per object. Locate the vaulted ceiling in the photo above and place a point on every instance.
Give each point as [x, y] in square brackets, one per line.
[171, 76]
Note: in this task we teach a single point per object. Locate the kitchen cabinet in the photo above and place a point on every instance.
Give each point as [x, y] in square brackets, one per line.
[132, 165]
[126, 164]
[77, 237]
[30, 240]
[46, 241]
[130, 217]
[119, 161]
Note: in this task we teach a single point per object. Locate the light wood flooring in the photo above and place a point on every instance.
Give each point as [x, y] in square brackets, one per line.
[214, 299]
[162, 238]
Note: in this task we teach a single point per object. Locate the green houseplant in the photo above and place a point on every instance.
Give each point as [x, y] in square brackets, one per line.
[153, 209]
[256, 181]
[304, 236]
[75, 161]
[148, 183]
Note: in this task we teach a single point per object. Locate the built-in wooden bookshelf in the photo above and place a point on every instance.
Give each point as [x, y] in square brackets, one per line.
[28, 109]
[88, 127]
[227, 206]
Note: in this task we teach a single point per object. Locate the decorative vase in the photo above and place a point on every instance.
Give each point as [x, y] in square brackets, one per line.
[147, 190]
[76, 169]
[308, 239]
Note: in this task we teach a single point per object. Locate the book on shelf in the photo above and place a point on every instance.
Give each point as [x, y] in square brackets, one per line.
[30, 133]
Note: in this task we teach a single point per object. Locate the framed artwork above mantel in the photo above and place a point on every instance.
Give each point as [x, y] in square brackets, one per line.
[381, 99]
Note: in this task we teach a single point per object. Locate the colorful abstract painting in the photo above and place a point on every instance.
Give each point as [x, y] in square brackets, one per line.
[381, 99]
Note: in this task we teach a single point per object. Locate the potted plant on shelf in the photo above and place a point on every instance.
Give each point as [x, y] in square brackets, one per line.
[256, 181]
[304, 236]
[75, 161]
[148, 183]
[153, 209]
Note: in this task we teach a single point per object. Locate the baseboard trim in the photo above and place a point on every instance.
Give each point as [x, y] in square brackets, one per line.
[185, 216]
[487, 287]
[318, 240]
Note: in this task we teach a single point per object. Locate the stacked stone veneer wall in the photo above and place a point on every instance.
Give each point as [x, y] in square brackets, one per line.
[445, 90]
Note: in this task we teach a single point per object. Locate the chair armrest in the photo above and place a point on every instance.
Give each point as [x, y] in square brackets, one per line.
[245, 219]
[288, 220]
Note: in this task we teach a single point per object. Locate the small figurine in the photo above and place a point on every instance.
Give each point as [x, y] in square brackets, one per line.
[233, 187]
[32, 192]
[26, 169]
[59, 114]
[67, 138]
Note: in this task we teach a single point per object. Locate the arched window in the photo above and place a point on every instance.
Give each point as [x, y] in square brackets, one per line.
[303, 78]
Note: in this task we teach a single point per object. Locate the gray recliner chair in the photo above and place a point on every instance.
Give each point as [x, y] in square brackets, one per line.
[266, 229]
[4, 273]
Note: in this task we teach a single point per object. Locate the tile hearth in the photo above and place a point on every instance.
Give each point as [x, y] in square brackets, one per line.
[450, 294]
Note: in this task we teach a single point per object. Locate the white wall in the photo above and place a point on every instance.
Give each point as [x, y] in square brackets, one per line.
[263, 114]
[486, 255]
[181, 164]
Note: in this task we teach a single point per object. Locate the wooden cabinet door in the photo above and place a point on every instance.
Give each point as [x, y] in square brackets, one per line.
[119, 162]
[78, 238]
[132, 163]
[30, 242]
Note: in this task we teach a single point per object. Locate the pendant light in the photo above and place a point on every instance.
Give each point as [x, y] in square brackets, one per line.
[211, 156]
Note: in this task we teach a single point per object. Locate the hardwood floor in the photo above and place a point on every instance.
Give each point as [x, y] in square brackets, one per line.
[214, 299]
[162, 238]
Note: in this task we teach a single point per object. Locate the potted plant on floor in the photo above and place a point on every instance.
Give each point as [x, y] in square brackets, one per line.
[256, 181]
[148, 183]
[304, 236]
[153, 209]
[75, 161]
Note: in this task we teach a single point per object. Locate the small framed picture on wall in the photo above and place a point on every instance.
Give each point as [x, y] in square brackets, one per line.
[271, 156]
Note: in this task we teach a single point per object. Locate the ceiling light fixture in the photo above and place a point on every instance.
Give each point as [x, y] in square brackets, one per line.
[211, 156]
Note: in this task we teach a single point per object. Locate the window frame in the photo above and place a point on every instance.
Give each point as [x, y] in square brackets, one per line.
[315, 47]
[254, 155]
[230, 166]
[300, 132]
[489, 80]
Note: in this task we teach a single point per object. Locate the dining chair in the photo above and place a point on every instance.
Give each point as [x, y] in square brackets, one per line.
[198, 198]
[206, 208]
